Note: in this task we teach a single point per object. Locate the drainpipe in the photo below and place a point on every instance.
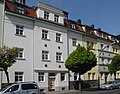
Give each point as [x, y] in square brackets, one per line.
[2, 38]
[67, 57]
[33, 47]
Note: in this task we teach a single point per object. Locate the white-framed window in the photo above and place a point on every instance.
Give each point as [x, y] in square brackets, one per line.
[108, 48]
[20, 1]
[45, 55]
[75, 76]
[74, 41]
[109, 61]
[19, 30]
[93, 76]
[46, 15]
[102, 76]
[90, 44]
[20, 53]
[89, 76]
[44, 34]
[20, 9]
[73, 26]
[63, 77]
[41, 76]
[102, 61]
[56, 18]
[58, 56]
[19, 77]
[58, 37]
[101, 46]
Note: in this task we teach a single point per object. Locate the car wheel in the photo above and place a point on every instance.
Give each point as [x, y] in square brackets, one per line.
[111, 88]
[119, 87]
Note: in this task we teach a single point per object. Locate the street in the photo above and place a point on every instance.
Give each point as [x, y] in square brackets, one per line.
[115, 91]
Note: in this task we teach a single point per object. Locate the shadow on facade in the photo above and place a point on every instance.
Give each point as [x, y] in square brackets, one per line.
[84, 84]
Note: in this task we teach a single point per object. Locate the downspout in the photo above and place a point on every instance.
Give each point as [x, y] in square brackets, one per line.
[2, 38]
[33, 47]
[67, 57]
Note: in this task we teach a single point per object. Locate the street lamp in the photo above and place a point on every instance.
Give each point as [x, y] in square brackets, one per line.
[114, 42]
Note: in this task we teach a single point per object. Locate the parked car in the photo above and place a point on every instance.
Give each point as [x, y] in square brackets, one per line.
[111, 85]
[21, 88]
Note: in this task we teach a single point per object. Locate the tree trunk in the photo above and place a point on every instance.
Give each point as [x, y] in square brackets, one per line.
[80, 83]
[114, 75]
[7, 75]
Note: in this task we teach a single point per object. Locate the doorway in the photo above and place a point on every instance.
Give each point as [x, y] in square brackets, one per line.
[51, 83]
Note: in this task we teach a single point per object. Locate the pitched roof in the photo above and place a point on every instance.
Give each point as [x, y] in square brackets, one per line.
[28, 11]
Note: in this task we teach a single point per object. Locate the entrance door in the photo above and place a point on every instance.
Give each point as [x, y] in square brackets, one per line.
[51, 81]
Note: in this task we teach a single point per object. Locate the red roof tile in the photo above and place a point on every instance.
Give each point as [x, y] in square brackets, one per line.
[79, 27]
[30, 12]
[92, 32]
[10, 6]
[66, 23]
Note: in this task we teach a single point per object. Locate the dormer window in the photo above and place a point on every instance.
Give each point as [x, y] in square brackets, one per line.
[87, 30]
[46, 15]
[20, 9]
[72, 26]
[20, 1]
[56, 18]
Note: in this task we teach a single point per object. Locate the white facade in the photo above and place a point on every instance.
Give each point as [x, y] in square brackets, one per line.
[25, 42]
[45, 43]
[105, 54]
[26, 34]
[50, 65]
[74, 38]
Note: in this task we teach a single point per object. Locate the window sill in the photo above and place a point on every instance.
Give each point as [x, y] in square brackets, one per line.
[74, 45]
[60, 61]
[59, 41]
[20, 59]
[45, 39]
[46, 60]
[20, 35]
[63, 81]
[41, 81]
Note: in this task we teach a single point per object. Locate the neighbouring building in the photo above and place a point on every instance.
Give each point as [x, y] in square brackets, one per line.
[45, 37]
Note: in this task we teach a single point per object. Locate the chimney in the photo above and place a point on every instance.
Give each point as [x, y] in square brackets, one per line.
[79, 21]
[92, 26]
[99, 29]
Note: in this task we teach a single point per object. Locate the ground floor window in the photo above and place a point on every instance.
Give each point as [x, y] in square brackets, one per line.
[93, 76]
[18, 76]
[41, 76]
[62, 76]
[89, 76]
[75, 76]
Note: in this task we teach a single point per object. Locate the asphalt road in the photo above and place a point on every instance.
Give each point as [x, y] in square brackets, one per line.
[115, 91]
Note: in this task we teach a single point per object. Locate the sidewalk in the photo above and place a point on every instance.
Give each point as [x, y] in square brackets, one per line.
[63, 92]
[84, 91]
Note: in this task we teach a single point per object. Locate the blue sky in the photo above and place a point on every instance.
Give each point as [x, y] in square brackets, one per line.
[104, 14]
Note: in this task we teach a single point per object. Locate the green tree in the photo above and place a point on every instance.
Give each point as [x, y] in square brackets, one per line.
[7, 59]
[114, 66]
[80, 61]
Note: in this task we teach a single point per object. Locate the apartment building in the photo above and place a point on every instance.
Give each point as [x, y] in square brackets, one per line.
[50, 48]
[18, 32]
[45, 37]
[102, 45]
[41, 36]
